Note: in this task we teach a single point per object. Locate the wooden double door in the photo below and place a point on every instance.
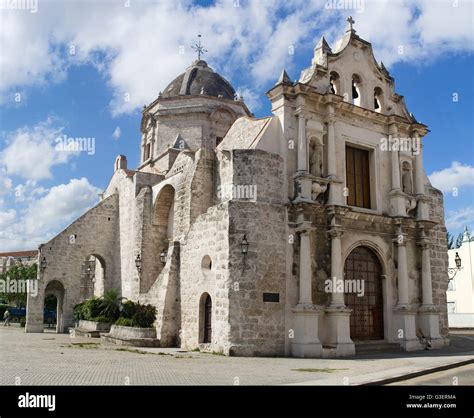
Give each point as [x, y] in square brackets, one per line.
[362, 266]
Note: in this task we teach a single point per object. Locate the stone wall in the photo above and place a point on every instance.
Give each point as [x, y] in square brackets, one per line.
[439, 257]
[95, 233]
[258, 326]
[208, 236]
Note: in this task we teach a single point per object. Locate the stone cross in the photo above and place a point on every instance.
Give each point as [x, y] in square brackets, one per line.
[351, 22]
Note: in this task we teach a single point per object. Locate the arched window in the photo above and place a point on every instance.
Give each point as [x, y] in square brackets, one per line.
[164, 221]
[378, 100]
[335, 83]
[356, 88]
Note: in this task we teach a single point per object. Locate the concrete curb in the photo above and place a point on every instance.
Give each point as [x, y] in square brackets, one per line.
[418, 373]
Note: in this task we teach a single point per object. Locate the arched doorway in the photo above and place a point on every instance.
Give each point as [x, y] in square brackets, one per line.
[92, 277]
[55, 289]
[205, 319]
[362, 270]
[163, 218]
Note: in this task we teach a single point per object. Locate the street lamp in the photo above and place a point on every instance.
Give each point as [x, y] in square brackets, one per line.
[163, 256]
[43, 264]
[244, 245]
[138, 263]
[452, 271]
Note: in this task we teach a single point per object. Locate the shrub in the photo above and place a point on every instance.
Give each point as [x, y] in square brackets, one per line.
[128, 309]
[78, 311]
[22, 322]
[100, 318]
[136, 315]
[110, 305]
[92, 308]
[145, 315]
[125, 322]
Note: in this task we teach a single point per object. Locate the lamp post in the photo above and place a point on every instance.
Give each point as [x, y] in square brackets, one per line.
[43, 264]
[452, 271]
[244, 245]
[163, 256]
[138, 263]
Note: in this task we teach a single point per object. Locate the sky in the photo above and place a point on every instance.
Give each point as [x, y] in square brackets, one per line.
[85, 69]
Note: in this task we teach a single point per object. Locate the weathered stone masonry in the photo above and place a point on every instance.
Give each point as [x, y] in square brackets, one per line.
[239, 223]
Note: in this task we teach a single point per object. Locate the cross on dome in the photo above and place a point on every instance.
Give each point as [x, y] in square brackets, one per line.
[199, 48]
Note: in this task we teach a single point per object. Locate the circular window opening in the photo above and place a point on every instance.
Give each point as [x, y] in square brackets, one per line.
[206, 265]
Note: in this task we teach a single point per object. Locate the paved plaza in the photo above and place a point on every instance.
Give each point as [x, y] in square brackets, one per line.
[57, 359]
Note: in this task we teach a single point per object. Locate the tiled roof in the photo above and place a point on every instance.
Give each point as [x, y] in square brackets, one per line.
[32, 253]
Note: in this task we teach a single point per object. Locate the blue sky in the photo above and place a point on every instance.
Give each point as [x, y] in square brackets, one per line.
[85, 70]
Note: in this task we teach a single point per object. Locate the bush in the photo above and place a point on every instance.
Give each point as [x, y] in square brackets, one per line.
[100, 318]
[79, 311]
[110, 305]
[136, 315]
[92, 308]
[125, 322]
[145, 315]
[104, 309]
[128, 309]
[22, 322]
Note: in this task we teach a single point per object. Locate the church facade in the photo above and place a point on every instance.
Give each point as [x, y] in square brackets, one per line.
[301, 234]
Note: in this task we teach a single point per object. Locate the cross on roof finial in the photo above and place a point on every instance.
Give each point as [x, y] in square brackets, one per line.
[199, 48]
[351, 22]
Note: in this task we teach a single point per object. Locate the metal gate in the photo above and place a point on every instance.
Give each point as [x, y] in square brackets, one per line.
[366, 321]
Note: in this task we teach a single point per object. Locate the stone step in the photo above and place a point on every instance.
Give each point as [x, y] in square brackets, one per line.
[367, 347]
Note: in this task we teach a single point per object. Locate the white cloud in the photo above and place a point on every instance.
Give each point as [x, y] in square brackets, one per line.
[58, 207]
[62, 204]
[457, 219]
[31, 152]
[7, 217]
[458, 175]
[137, 48]
[117, 133]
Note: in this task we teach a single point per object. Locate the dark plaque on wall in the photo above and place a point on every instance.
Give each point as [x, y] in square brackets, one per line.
[271, 297]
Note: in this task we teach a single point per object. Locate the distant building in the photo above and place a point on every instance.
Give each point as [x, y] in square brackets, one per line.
[8, 260]
[460, 294]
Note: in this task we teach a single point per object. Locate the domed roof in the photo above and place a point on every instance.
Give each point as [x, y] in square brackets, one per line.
[199, 79]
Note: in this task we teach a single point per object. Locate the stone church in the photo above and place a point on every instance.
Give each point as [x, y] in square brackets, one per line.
[307, 233]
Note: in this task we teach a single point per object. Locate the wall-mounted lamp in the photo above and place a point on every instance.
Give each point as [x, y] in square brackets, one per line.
[452, 271]
[138, 263]
[163, 256]
[43, 264]
[244, 245]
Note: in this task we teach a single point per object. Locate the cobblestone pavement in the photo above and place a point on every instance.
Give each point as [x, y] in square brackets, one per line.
[57, 359]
